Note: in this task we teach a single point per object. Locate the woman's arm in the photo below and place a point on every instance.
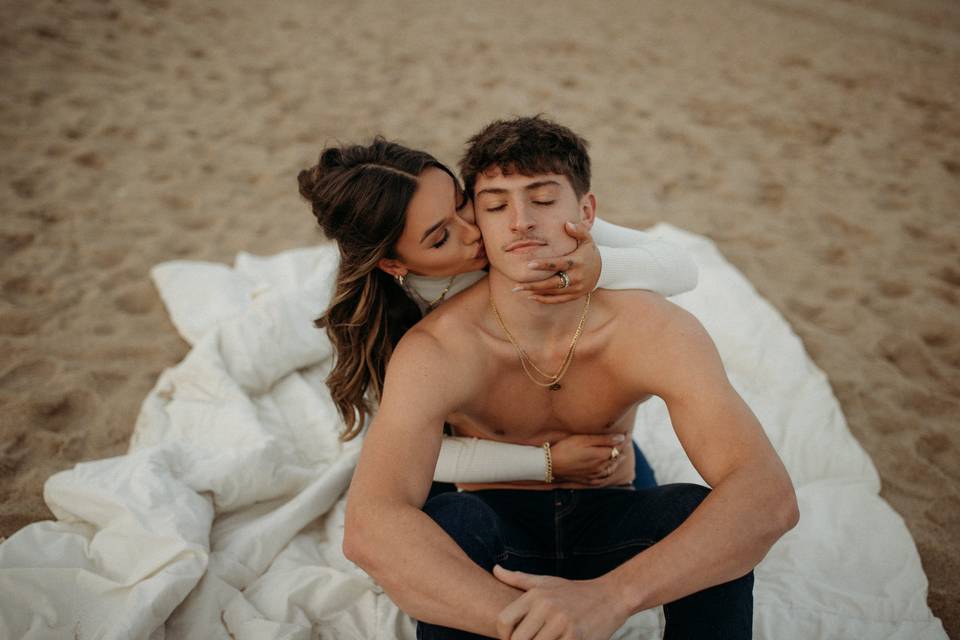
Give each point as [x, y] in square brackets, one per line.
[581, 458]
[634, 259]
[627, 259]
[475, 460]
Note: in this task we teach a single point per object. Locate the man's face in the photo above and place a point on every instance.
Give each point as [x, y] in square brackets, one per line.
[522, 218]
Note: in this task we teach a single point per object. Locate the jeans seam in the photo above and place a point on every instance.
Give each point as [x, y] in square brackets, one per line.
[640, 542]
[520, 553]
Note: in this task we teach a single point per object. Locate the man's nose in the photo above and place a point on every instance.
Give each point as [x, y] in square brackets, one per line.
[521, 220]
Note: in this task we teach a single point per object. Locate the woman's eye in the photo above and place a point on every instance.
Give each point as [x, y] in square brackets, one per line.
[500, 207]
[442, 241]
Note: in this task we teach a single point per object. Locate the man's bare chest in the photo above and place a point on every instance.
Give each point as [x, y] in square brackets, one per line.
[510, 406]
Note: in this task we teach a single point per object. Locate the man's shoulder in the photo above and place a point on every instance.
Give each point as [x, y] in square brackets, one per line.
[640, 309]
[447, 332]
[451, 324]
[652, 327]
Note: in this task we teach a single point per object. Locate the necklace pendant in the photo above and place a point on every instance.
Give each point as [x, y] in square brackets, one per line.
[555, 387]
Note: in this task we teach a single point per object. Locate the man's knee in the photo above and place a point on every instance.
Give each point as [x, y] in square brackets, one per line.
[471, 523]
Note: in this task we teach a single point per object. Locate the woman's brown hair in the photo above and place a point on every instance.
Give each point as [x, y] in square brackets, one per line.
[359, 195]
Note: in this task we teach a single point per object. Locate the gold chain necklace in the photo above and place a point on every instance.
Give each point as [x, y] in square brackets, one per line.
[551, 382]
[429, 305]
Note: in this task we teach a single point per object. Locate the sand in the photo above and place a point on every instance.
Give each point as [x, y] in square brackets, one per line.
[817, 142]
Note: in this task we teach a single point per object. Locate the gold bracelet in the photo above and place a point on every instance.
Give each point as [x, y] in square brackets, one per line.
[546, 452]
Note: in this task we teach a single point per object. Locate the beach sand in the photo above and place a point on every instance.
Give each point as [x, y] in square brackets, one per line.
[816, 142]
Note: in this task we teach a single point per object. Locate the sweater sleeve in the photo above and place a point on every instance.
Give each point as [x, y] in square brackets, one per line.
[634, 259]
[475, 460]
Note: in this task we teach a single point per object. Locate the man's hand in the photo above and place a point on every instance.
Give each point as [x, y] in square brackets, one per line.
[582, 266]
[557, 609]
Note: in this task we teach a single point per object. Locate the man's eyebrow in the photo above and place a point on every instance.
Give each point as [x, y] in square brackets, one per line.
[529, 187]
[432, 228]
[541, 183]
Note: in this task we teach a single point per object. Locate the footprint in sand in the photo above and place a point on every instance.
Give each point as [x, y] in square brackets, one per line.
[24, 290]
[109, 256]
[907, 357]
[927, 404]
[136, 300]
[939, 451]
[17, 323]
[90, 160]
[894, 289]
[106, 382]
[13, 241]
[28, 375]
[809, 312]
[949, 275]
[12, 453]
[25, 188]
[103, 330]
[60, 411]
[945, 511]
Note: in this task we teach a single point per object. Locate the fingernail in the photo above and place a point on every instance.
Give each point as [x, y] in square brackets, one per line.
[517, 288]
[531, 265]
[618, 438]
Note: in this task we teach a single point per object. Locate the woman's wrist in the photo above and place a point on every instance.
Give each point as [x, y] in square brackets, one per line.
[548, 463]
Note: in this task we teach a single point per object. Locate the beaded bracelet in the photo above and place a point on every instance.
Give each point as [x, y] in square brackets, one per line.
[546, 452]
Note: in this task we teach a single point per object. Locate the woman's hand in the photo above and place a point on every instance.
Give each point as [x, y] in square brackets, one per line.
[582, 266]
[587, 459]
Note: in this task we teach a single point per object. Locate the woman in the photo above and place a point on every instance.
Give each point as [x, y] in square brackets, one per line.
[405, 249]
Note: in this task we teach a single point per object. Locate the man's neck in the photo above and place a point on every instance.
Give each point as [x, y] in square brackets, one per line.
[535, 324]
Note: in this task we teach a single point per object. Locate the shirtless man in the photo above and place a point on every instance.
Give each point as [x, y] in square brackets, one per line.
[579, 561]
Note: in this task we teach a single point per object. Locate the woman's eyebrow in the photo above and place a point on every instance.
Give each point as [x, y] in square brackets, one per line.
[431, 229]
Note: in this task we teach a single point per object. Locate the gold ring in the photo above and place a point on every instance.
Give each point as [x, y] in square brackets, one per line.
[614, 453]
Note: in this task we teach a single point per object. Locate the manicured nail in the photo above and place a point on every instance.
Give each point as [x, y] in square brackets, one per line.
[618, 438]
[531, 265]
[517, 288]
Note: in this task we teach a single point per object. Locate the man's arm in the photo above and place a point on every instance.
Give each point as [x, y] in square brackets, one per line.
[752, 502]
[419, 566]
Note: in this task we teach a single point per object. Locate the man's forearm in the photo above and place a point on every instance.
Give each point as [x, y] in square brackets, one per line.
[723, 539]
[423, 570]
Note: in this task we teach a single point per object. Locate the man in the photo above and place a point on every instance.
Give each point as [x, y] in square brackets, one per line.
[497, 365]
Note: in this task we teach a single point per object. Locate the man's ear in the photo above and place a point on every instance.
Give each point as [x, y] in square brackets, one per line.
[393, 267]
[588, 210]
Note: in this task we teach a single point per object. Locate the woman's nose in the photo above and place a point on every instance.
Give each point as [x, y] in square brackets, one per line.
[471, 232]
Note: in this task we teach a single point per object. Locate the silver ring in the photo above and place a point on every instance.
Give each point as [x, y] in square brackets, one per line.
[564, 280]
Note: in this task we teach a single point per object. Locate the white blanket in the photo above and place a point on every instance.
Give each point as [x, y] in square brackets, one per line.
[225, 518]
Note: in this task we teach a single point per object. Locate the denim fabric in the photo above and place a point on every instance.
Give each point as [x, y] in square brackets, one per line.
[584, 533]
[643, 478]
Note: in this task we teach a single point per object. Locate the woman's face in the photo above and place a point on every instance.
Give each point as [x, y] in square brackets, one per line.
[439, 237]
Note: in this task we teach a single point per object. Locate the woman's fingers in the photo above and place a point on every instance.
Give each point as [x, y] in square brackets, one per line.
[577, 231]
[548, 285]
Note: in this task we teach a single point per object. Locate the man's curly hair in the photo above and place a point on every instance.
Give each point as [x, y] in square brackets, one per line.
[528, 146]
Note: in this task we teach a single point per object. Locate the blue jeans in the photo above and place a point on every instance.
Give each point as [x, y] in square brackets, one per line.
[580, 534]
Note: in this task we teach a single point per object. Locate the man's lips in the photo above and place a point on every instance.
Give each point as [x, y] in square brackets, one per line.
[524, 244]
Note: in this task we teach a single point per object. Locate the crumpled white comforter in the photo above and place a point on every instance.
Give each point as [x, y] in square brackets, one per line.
[225, 518]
